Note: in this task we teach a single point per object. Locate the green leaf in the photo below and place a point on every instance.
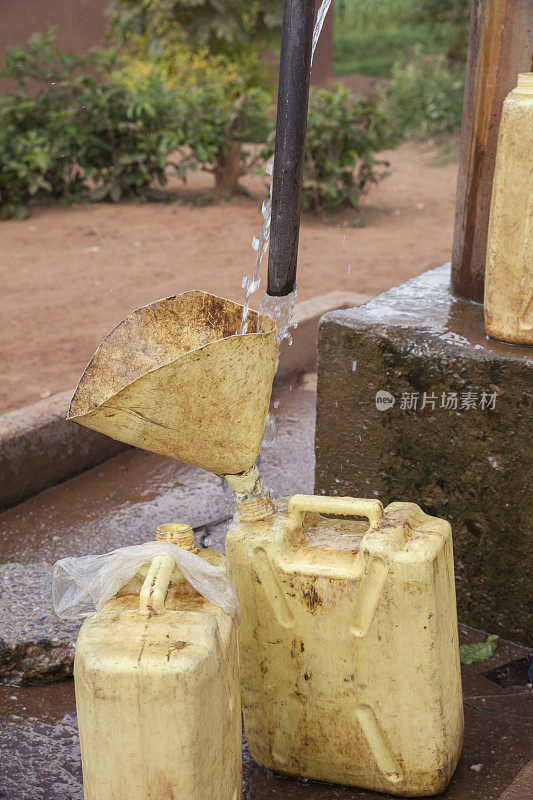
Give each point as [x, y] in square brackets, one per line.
[479, 651]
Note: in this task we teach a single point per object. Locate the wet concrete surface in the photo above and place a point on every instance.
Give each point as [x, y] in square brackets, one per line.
[122, 501]
[119, 503]
[41, 755]
[35, 645]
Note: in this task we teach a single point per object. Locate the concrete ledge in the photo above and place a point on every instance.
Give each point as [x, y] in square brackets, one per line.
[39, 448]
[522, 786]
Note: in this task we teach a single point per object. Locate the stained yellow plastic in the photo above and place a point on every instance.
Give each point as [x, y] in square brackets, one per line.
[157, 692]
[509, 269]
[348, 643]
[175, 378]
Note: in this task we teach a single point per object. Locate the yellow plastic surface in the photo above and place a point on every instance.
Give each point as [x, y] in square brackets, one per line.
[176, 379]
[509, 268]
[157, 693]
[348, 644]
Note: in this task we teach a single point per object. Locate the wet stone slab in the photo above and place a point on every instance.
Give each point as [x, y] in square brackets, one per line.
[41, 755]
[415, 404]
[35, 646]
[120, 503]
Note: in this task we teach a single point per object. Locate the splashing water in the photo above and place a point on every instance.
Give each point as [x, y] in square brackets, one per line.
[251, 282]
[320, 17]
[279, 308]
[271, 431]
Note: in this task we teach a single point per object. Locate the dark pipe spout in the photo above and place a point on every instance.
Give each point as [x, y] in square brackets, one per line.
[291, 126]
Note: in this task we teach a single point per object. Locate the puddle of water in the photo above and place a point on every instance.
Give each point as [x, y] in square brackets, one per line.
[451, 320]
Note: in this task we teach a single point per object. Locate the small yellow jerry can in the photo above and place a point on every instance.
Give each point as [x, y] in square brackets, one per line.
[348, 642]
[157, 691]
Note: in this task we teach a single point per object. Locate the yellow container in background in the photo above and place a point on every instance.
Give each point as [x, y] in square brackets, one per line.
[348, 642]
[509, 268]
[157, 691]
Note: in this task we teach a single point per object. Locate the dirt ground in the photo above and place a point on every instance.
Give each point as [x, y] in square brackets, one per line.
[68, 275]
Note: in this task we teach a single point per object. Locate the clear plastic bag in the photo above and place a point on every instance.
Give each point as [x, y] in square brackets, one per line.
[82, 585]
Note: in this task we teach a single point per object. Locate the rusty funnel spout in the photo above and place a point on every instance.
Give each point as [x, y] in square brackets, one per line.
[175, 378]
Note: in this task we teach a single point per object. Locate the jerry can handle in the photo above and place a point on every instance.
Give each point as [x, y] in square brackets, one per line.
[347, 506]
[155, 587]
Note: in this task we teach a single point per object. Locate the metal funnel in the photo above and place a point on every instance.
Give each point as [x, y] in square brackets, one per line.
[174, 378]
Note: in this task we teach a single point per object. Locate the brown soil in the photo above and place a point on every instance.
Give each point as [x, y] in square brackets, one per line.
[70, 274]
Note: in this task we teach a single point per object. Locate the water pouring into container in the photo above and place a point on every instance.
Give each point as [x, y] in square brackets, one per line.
[349, 666]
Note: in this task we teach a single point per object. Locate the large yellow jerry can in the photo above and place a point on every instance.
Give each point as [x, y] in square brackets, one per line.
[157, 692]
[348, 642]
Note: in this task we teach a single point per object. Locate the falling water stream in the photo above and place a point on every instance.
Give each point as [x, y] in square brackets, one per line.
[279, 308]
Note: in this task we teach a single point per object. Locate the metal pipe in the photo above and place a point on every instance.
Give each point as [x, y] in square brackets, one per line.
[291, 126]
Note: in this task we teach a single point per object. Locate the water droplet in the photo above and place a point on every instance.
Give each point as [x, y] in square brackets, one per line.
[271, 431]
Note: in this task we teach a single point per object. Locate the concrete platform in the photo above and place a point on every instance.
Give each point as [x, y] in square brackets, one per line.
[415, 404]
[41, 756]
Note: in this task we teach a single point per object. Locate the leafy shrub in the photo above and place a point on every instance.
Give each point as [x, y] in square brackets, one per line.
[125, 137]
[82, 132]
[37, 131]
[343, 136]
[222, 26]
[424, 97]
[219, 106]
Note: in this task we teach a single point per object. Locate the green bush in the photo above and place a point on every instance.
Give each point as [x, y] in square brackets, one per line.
[125, 138]
[219, 106]
[37, 130]
[343, 136]
[222, 26]
[81, 133]
[425, 97]
[94, 130]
